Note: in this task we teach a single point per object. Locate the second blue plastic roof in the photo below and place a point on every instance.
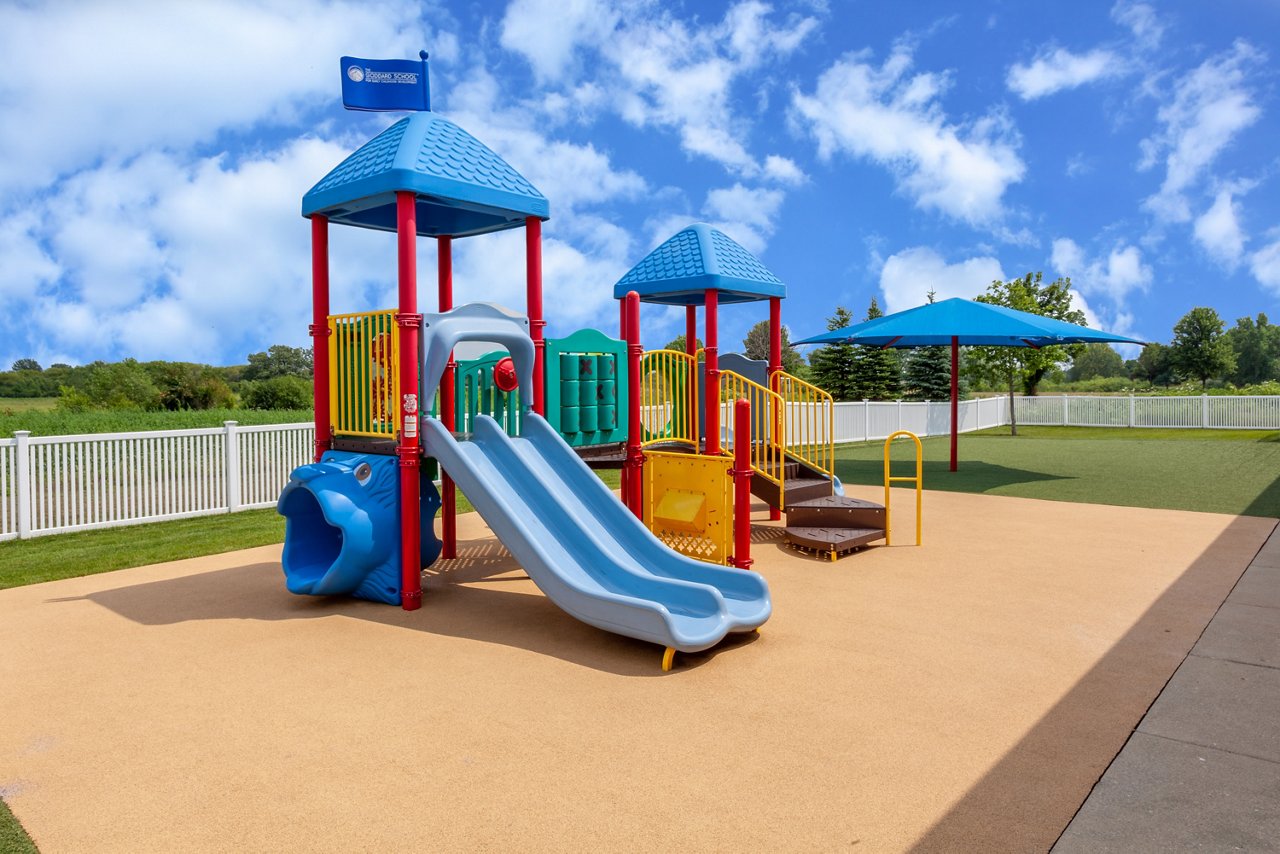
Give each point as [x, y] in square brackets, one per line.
[462, 186]
[693, 260]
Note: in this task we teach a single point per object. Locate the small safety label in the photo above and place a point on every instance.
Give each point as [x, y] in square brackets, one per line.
[410, 404]
[410, 425]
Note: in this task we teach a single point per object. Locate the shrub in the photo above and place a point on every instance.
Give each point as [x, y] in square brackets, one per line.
[287, 392]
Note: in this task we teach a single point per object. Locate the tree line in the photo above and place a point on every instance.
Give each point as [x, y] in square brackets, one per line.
[1202, 353]
[277, 378]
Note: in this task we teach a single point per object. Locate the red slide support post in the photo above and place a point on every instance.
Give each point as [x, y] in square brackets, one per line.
[409, 322]
[712, 374]
[633, 495]
[533, 281]
[319, 330]
[775, 366]
[448, 404]
[691, 330]
[741, 484]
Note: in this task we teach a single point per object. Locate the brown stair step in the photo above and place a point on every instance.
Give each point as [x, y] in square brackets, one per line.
[834, 511]
[832, 541]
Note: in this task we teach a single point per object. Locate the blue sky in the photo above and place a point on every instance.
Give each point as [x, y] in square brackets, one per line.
[152, 165]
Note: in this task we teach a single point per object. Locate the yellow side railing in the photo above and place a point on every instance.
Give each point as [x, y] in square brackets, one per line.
[669, 398]
[809, 415]
[364, 374]
[768, 436]
[918, 480]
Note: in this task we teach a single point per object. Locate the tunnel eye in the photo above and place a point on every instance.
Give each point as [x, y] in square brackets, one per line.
[363, 472]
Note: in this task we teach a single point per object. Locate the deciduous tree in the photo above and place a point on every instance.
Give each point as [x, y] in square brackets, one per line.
[1200, 349]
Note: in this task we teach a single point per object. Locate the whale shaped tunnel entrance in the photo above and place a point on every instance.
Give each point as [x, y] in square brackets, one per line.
[311, 544]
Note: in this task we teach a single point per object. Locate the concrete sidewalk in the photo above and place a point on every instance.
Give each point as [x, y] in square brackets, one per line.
[1202, 770]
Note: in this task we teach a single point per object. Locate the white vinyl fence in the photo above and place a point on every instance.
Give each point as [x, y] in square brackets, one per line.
[54, 484]
[1206, 412]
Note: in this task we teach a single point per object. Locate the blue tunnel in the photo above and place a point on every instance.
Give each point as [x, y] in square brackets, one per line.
[342, 527]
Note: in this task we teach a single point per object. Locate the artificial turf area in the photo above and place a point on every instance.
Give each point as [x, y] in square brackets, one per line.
[1217, 471]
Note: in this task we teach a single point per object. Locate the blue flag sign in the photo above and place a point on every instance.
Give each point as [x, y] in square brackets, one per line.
[385, 84]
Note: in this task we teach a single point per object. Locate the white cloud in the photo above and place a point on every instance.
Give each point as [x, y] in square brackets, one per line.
[1115, 276]
[909, 275]
[1210, 106]
[1077, 165]
[1059, 69]
[892, 117]
[118, 80]
[1265, 266]
[783, 170]
[746, 214]
[652, 68]
[548, 32]
[26, 267]
[1141, 19]
[1218, 231]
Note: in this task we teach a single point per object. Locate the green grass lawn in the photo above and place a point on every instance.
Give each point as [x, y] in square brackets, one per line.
[27, 404]
[1220, 471]
[13, 839]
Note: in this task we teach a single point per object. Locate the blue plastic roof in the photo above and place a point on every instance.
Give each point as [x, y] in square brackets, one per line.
[696, 258]
[973, 323]
[462, 187]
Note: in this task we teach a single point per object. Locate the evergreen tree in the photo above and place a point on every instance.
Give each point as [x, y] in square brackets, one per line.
[833, 366]
[878, 372]
[926, 371]
[926, 374]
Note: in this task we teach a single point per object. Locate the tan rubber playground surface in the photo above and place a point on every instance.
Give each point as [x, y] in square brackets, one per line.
[960, 696]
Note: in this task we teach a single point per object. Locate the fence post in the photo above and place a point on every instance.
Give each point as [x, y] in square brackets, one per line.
[232, 458]
[1066, 419]
[899, 408]
[1132, 420]
[866, 420]
[23, 456]
[1204, 411]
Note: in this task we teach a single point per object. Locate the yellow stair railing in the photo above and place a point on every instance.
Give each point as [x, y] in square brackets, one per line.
[768, 436]
[364, 374]
[918, 480]
[809, 414]
[668, 398]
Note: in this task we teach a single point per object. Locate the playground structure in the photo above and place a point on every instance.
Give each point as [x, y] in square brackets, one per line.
[394, 408]
[518, 427]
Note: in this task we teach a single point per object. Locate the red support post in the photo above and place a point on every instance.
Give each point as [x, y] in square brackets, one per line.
[712, 374]
[319, 330]
[741, 473]
[622, 334]
[691, 329]
[633, 496]
[533, 281]
[775, 366]
[409, 322]
[448, 404]
[955, 397]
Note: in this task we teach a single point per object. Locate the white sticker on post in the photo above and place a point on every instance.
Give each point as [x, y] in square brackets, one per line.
[410, 426]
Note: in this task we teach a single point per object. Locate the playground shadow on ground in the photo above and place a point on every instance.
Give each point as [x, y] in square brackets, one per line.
[482, 595]
[970, 476]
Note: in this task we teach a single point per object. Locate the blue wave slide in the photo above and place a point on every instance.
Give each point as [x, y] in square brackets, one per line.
[584, 549]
